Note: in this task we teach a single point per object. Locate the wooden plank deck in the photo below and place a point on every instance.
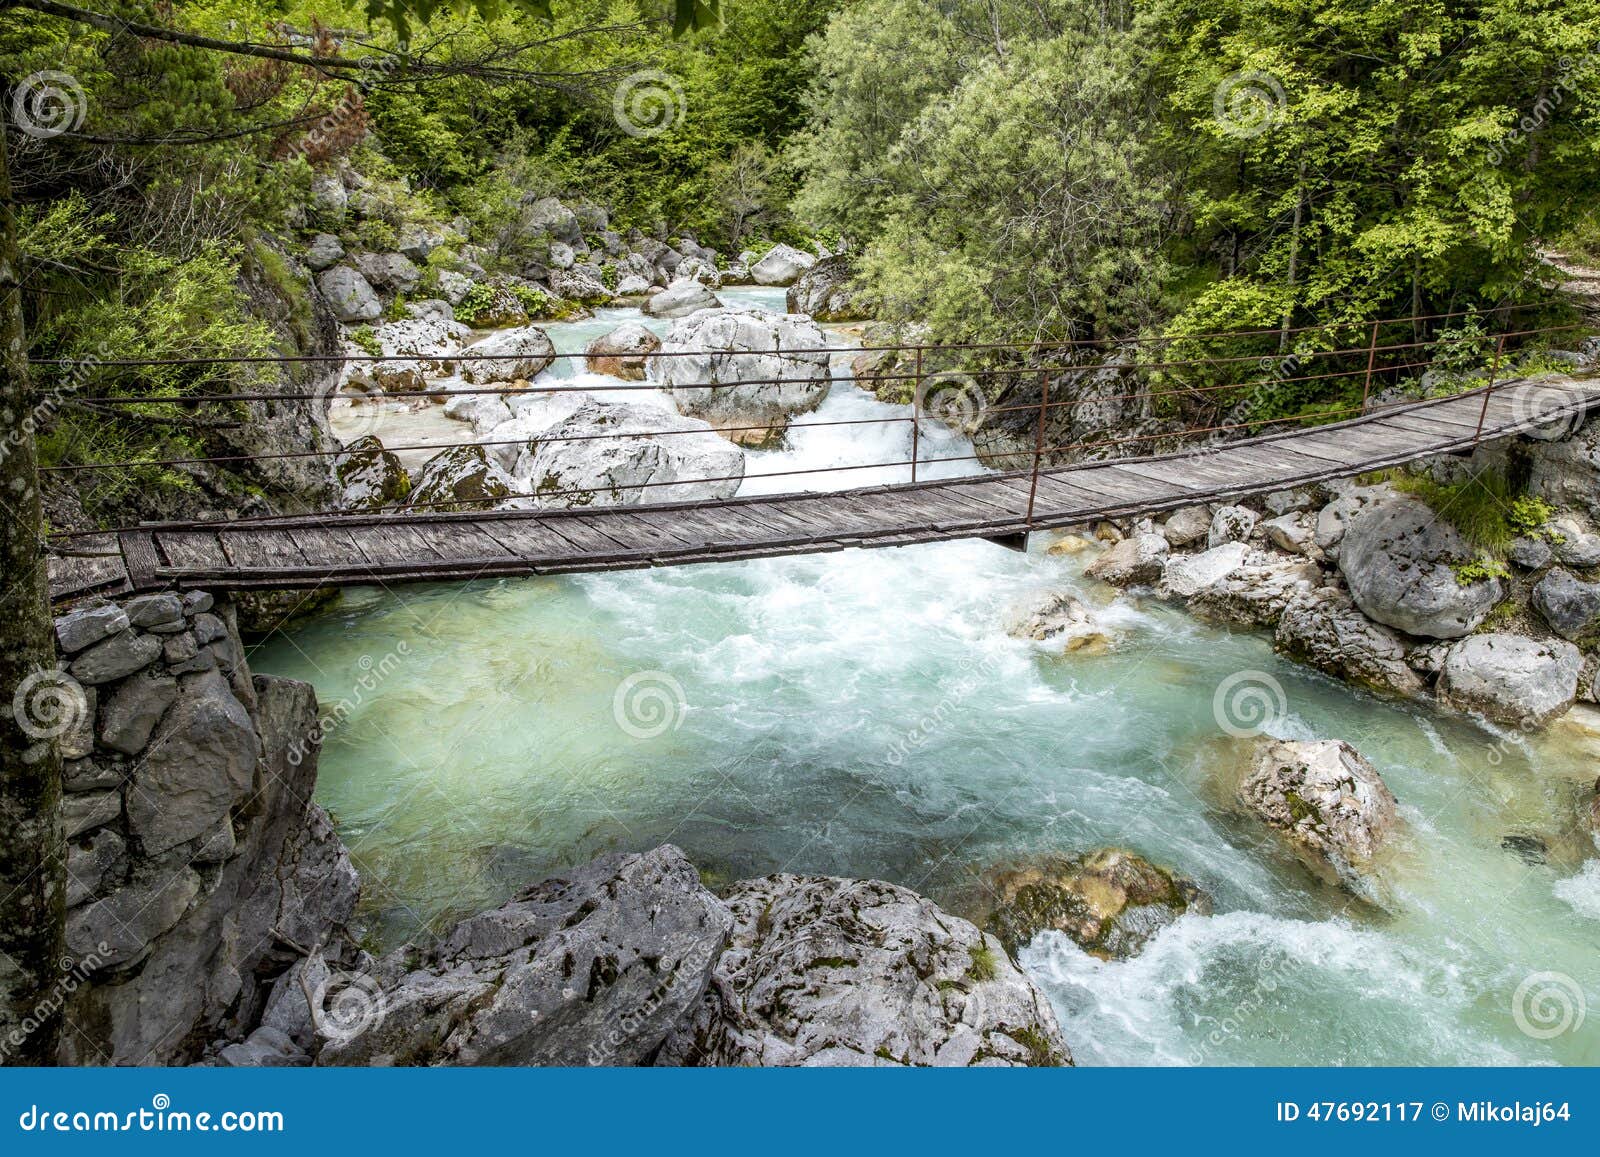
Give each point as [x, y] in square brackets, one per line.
[310, 551]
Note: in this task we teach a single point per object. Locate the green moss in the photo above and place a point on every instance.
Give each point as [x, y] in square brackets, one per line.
[1480, 507]
[1041, 1053]
[984, 966]
[364, 337]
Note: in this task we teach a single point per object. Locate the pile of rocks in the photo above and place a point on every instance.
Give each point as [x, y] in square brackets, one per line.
[1372, 585]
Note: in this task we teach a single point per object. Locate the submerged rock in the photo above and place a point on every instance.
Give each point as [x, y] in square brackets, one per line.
[1110, 902]
[1056, 617]
[1327, 802]
[824, 971]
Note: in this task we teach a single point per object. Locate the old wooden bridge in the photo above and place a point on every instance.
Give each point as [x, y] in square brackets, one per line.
[421, 546]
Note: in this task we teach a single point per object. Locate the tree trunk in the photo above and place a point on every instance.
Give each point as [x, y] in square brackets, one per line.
[32, 855]
[1294, 256]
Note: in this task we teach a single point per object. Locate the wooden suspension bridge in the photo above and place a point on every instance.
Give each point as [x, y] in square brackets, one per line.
[404, 547]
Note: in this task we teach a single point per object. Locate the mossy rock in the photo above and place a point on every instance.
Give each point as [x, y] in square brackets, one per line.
[1109, 902]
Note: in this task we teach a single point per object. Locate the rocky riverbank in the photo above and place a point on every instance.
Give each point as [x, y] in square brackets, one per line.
[1375, 584]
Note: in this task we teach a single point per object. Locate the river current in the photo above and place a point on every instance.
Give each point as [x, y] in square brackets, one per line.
[864, 713]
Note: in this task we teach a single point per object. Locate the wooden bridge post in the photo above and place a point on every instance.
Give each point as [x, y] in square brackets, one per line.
[916, 413]
[1494, 369]
[1372, 358]
[1038, 441]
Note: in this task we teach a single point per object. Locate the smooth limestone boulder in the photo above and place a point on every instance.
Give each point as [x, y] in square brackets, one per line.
[622, 454]
[622, 352]
[764, 368]
[1511, 678]
[1570, 605]
[511, 355]
[1327, 803]
[1136, 561]
[680, 300]
[424, 346]
[1398, 557]
[825, 971]
[782, 265]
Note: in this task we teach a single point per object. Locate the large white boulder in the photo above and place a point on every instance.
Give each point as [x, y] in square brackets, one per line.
[782, 265]
[1511, 678]
[767, 367]
[1399, 557]
[426, 346]
[622, 454]
[510, 355]
[680, 300]
[349, 295]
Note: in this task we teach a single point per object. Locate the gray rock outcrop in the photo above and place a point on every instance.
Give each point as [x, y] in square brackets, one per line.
[1398, 558]
[1511, 678]
[824, 971]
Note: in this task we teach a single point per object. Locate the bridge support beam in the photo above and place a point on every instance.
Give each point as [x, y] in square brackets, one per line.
[1017, 542]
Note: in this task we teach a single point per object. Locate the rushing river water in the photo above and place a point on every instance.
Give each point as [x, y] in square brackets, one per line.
[865, 714]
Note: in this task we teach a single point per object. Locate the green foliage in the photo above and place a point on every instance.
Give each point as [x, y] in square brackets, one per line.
[984, 964]
[1483, 507]
[1480, 569]
[365, 339]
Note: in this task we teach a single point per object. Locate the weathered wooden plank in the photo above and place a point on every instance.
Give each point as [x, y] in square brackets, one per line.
[263, 548]
[531, 539]
[139, 557]
[191, 549]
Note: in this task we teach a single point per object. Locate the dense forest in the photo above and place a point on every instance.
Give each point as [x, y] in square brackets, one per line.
[997, 170]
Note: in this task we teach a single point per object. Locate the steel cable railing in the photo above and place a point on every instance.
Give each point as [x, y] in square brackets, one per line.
[1043, 408]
